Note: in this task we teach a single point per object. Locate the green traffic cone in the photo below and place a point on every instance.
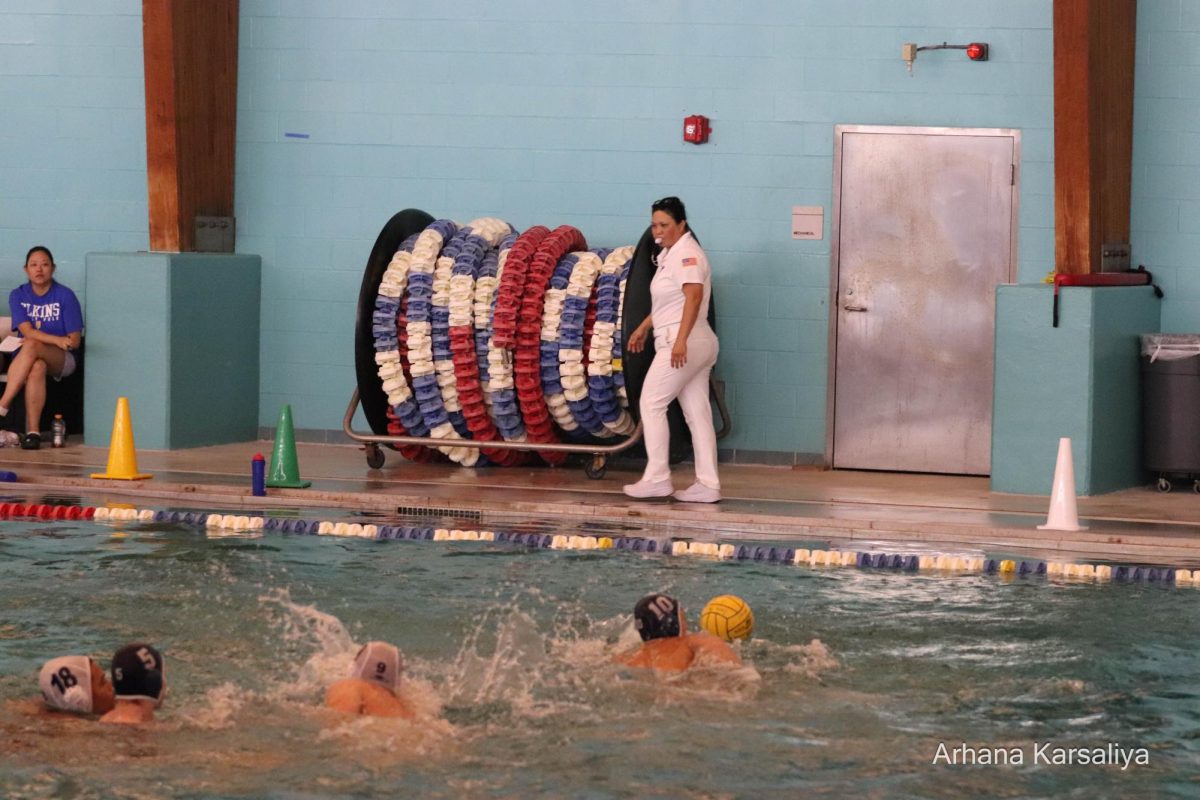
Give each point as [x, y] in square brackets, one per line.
[285, 469]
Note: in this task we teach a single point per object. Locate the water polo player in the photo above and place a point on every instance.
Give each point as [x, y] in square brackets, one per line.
[666, 644]
[139, 684]
[76, 684]
[372, 686]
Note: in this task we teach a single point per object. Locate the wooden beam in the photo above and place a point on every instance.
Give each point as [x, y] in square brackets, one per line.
[190, 49]
[1093, 128]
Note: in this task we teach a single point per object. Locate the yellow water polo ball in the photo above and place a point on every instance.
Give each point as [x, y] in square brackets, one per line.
[728, 617]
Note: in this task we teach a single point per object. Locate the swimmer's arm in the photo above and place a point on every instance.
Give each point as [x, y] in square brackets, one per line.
[710, 648]
[641, 657]
[384, 704]
[671, 655]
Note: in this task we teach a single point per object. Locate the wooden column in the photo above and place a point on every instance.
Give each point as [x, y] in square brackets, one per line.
[1093, 128]
[191, 115]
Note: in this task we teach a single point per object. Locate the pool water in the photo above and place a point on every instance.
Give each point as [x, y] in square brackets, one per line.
[851, 682]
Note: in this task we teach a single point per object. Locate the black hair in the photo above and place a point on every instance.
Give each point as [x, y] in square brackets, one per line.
[37, 248]
[672, 206]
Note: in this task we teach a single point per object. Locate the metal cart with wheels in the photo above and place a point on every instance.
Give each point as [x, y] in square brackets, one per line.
[595, 468]
[374, 401]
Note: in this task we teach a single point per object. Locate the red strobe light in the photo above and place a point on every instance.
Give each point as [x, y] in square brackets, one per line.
[977, 51]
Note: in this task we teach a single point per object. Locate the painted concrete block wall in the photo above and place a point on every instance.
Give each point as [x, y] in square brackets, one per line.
[128, 354]
[571, 112]
[567, 112]
[178, 334]
[1165, 233]
[1079, 380]
[215, 328]
[72, 133]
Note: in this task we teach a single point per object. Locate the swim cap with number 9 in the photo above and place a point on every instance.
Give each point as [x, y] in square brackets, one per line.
[378, 662]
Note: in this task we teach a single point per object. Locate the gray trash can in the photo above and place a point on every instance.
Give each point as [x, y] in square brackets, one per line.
[1171, 407]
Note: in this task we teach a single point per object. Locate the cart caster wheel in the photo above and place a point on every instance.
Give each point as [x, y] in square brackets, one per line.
[1196, 487]
[1164, 485]
[598, 467]
[375, 456]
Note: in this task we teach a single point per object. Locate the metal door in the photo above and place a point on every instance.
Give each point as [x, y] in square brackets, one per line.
[924, 229]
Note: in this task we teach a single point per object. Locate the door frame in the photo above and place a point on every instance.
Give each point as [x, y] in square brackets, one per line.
[835, 233]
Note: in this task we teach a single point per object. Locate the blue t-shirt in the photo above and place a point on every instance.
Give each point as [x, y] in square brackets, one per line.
[57, 312]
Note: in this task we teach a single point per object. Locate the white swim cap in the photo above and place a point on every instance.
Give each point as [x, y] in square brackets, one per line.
[66, 684]
[380, 663]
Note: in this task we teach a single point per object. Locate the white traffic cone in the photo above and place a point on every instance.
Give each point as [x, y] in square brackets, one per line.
[1063, 515]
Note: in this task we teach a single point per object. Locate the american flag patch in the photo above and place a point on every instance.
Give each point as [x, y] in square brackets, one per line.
[689, 262]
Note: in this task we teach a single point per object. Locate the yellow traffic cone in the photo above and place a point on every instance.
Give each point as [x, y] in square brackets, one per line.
[122, 458]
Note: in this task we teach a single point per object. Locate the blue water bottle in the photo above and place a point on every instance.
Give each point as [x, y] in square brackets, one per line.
[258, 475]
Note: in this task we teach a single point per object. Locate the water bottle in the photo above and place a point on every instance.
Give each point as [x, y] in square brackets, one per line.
[258, 475]
[59, 429]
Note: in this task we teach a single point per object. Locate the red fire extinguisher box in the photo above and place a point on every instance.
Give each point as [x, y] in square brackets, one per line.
[696, 129]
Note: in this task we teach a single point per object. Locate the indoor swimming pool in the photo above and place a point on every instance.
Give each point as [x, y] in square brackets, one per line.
[853, 683]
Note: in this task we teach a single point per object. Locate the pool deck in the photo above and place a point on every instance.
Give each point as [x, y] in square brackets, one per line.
[876, 511]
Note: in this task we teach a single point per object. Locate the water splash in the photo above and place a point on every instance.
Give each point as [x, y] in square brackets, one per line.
[811, 660]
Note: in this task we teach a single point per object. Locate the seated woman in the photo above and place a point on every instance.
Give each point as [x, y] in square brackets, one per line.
[47, 316]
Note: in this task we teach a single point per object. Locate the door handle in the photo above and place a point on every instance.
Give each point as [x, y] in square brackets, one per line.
[854, 308]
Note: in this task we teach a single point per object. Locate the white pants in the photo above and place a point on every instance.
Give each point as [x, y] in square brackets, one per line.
[689, 383]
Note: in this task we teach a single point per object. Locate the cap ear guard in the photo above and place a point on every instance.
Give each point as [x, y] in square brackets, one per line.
[66, 684]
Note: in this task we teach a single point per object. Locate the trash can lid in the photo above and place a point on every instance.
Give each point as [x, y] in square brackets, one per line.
[1170, 346]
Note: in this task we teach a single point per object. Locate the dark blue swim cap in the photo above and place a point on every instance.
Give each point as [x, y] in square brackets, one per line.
[137, 673]
[656, 616]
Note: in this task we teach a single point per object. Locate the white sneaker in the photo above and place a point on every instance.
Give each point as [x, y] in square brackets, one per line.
[643, 489]
[698, 493]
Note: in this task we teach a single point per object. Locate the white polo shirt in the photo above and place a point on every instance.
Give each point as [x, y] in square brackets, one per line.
[682, 262]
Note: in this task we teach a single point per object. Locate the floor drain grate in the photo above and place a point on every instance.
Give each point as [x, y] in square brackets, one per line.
[434, 511]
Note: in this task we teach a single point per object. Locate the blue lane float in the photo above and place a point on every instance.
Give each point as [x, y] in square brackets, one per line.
[941, 564]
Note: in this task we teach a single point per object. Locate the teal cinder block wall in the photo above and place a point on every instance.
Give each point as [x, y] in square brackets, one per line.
[569, 112]
[72, 133]
[128, 345]
[1080, 380]
[178, 335]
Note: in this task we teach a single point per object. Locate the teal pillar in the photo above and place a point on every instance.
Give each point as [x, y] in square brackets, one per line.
[1080, 380]
[178, 334]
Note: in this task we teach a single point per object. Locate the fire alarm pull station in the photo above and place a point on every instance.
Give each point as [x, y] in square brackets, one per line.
[696, 129]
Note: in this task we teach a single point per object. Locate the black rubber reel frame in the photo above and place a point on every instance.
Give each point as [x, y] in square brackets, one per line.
[370, 389]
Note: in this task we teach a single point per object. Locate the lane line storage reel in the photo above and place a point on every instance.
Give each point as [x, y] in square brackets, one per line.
[482, 345]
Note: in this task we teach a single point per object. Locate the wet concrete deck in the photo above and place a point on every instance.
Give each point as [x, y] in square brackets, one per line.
[892, 512]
